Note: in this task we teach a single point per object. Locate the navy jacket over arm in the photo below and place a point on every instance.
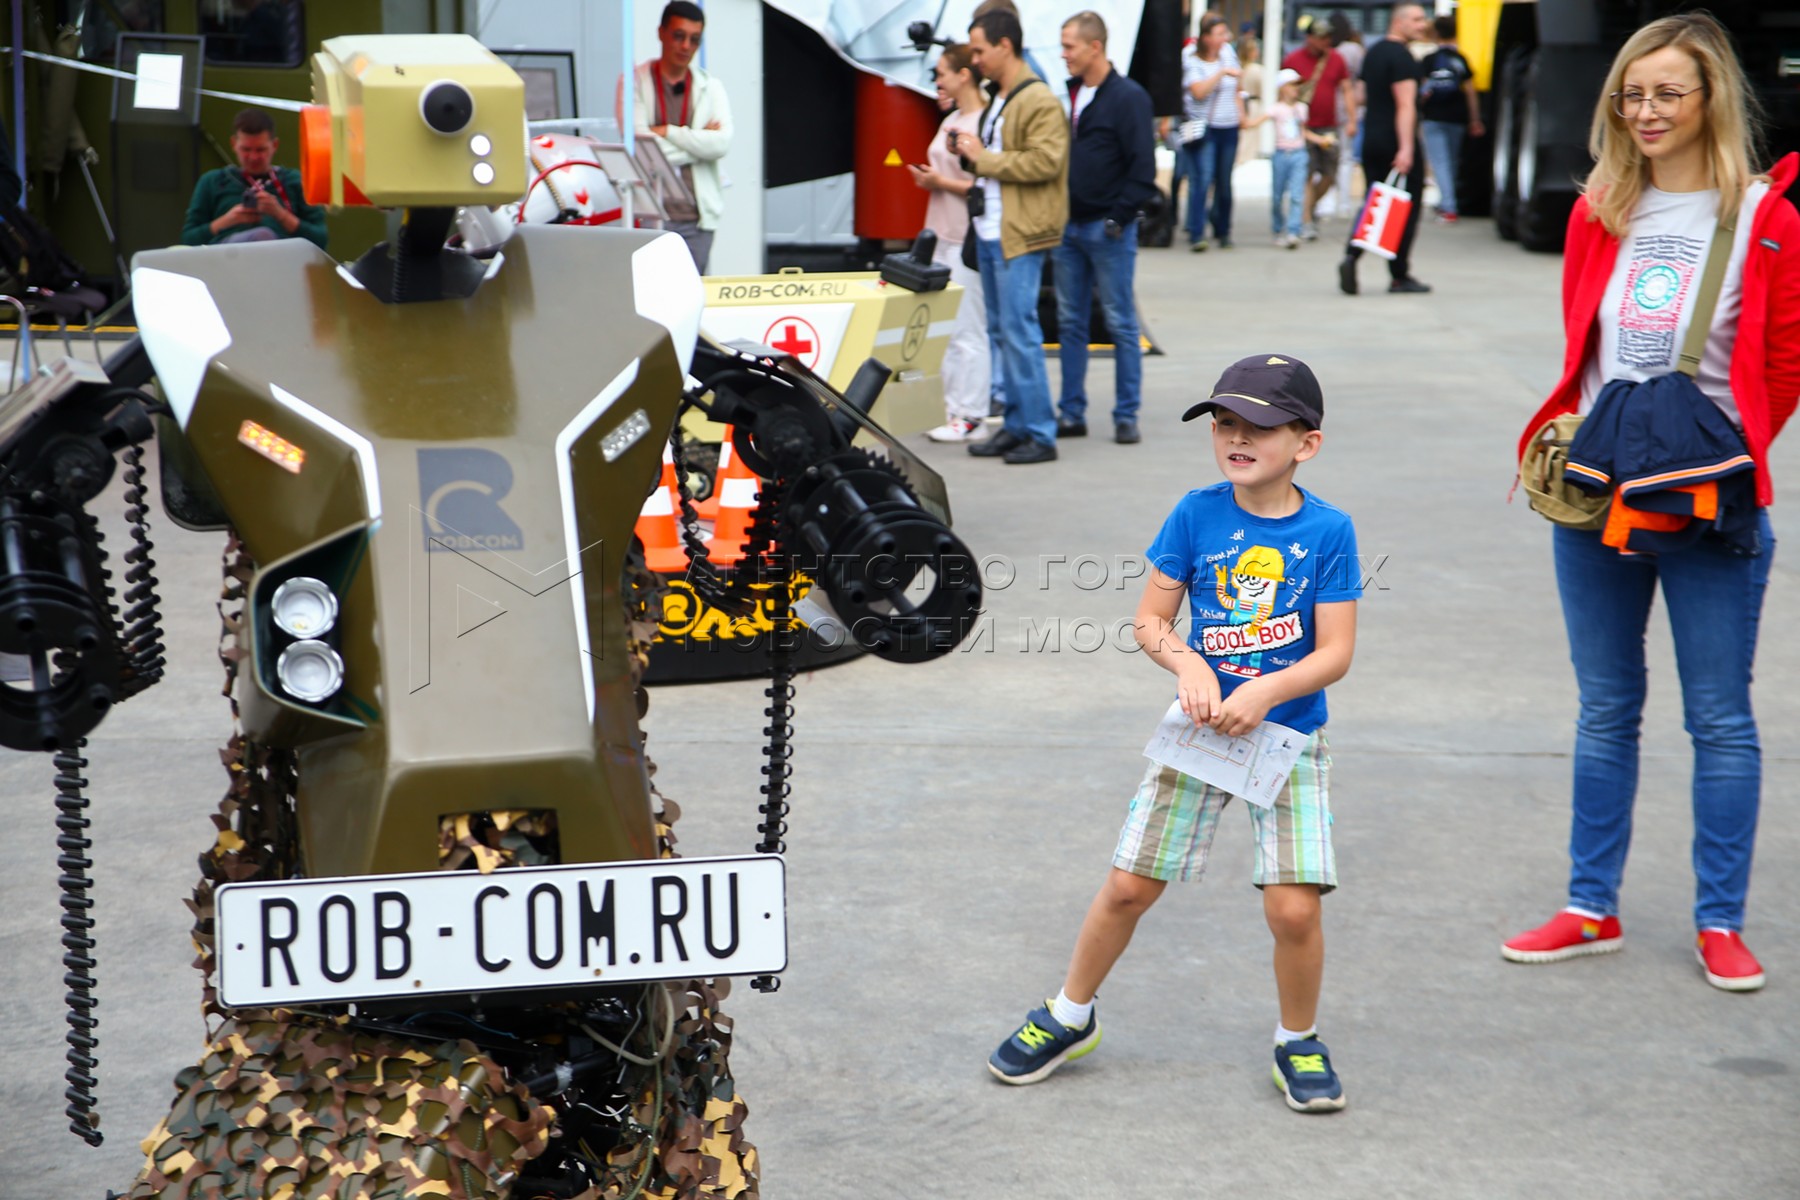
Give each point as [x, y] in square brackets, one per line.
[1112, 157]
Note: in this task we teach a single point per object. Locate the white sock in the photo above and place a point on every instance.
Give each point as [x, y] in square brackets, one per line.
[1283, 1034]
[1069, 1013]
[1582, 912]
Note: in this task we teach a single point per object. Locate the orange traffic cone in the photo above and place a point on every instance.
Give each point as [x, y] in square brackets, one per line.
[658, 526]
[708, 509]
[735, 488]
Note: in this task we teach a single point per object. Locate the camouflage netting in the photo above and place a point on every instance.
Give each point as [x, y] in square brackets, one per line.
[295, 1106]
[700, 1149]
[284, 1110]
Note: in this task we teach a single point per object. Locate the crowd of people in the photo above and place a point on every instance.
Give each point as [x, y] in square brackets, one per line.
[1016, 180]
[1019, 180]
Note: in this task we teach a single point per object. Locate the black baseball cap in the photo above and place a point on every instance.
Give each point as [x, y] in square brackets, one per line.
[1266, 390]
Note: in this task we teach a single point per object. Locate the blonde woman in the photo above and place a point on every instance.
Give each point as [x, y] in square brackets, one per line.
[966, 360]
[1674, 139]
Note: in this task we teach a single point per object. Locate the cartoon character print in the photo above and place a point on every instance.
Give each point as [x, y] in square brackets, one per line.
[1248, 594]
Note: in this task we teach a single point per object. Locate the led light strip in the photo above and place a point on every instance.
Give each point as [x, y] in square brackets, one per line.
[365, 450]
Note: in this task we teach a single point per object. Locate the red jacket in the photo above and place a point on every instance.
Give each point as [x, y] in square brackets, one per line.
[1765, 361]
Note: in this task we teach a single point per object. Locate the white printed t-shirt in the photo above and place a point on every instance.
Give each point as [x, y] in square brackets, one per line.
[1647, 307]
[987, 225]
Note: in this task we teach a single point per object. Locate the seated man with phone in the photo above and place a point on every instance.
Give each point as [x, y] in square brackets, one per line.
[254, 201]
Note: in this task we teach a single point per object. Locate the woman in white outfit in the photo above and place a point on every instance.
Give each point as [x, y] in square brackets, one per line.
[966, 363]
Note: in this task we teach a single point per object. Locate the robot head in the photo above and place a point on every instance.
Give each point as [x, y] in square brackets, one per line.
[430, 120]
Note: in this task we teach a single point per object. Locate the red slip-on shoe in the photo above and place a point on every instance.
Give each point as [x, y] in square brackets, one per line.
[1566, 935]
[1728, 963]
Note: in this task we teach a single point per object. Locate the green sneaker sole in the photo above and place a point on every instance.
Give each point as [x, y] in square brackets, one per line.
[1084, 1046]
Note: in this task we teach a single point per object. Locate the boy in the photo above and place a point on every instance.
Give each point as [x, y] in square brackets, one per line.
[1253, 551]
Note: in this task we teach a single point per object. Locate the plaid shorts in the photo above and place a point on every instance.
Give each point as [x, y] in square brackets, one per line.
[1170, 827]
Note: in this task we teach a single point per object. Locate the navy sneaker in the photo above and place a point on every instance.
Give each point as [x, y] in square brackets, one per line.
[1304, 1075]
[1042, 1045]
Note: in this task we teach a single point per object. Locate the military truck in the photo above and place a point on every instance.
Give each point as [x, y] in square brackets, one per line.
[1541, 66]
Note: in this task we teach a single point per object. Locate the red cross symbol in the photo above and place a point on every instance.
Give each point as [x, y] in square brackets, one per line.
[796, 337]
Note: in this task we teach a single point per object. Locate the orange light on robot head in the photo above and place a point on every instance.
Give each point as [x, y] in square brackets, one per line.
[315, 159]
[272, 446]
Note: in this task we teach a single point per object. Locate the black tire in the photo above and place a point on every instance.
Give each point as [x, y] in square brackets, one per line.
[1555, 107]
[1512, 80]
[1156, 223]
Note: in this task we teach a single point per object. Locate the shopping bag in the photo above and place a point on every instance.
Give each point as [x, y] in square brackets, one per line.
[1383, 218]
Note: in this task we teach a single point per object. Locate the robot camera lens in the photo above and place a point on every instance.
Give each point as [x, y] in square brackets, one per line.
[447, 106]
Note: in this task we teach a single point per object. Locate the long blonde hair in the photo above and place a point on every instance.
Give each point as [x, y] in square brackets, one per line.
[1731, 134]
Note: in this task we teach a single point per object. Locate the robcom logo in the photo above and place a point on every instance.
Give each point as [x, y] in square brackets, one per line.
[460, 492]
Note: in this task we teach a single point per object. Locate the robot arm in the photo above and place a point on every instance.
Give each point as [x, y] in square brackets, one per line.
[848, 505]
[77, 644]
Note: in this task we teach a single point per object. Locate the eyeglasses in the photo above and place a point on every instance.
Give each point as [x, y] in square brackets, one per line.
[1665, 103]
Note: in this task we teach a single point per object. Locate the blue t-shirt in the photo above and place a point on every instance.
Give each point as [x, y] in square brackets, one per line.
[1252, 583]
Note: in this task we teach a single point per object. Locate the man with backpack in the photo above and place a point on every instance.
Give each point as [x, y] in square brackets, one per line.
[1448, 111]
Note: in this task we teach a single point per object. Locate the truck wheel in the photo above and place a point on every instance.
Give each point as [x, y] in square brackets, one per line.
[1553, 114]
[1543, 214]
[1512, 81]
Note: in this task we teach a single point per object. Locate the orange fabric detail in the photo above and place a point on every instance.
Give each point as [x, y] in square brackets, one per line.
[1706, 500]
[1621, 519]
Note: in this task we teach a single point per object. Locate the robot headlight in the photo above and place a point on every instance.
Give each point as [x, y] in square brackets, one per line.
[304, 607]
[310, 671]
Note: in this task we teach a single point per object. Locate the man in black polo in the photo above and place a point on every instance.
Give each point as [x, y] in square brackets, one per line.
[1390, 77]
[1112, 172]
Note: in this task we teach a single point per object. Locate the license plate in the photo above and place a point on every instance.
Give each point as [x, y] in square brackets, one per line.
[381, 936]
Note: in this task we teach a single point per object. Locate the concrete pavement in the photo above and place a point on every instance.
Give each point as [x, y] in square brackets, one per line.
[951, 822]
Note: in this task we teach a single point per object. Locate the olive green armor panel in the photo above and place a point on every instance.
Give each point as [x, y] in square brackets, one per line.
[454, 476]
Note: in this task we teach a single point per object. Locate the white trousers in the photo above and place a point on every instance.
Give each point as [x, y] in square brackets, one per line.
[967, 367]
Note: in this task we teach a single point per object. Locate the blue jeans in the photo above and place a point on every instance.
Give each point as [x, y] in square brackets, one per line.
[1291, 169]
[1443, 149]
[1010, 287]
[1715, 603]
[1086, 257]
[1209, 163]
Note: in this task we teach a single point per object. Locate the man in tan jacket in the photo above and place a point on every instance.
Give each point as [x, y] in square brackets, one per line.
[1021, 161]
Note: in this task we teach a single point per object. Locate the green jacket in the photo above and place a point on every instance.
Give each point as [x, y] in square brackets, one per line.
[1032, 167]
[221, 190]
